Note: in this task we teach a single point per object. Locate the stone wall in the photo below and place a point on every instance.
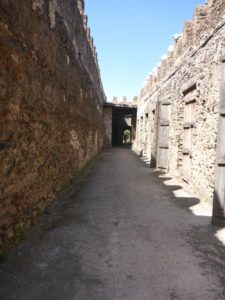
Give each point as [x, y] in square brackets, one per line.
[107, 113]
[188, 74]
[50, 105]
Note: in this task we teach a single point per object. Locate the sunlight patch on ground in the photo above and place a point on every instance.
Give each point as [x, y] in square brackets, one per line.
[164, 175]
[200, 209]
[170, 182]
[181, 194]
[146, 160]
[221, 235]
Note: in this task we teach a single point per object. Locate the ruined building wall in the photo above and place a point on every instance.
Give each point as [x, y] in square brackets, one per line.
[50, 104]
[187, 83]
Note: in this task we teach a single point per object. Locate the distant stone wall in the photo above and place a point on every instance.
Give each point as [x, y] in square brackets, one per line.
[50, 105]
[107, 112]
[189, 78]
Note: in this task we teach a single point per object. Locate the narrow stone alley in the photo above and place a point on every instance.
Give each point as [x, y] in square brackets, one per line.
[118, 232]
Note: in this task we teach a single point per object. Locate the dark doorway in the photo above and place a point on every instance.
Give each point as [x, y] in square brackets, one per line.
[123, 125]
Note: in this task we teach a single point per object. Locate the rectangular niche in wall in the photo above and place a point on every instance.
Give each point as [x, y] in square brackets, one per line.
[189, 126]
[146, 137]
[154, 144]
[163, 136]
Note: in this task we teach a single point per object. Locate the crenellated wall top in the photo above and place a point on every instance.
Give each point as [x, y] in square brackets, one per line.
[205, 20]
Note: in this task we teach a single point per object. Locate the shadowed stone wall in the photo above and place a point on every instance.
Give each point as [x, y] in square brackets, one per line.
[50, 105]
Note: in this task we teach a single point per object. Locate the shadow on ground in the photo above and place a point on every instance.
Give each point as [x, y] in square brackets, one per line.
[205, 238]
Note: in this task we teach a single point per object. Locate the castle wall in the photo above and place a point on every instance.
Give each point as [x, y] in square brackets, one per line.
[50, 105]
[189, 78]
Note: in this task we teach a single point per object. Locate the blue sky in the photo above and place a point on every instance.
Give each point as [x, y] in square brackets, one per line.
[131, 36]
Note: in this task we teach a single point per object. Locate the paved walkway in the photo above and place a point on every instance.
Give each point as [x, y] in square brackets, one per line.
[118, 233]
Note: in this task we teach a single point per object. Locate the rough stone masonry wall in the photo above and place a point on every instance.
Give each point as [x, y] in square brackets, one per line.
[190, 69]
[50, 105]
[107, 115]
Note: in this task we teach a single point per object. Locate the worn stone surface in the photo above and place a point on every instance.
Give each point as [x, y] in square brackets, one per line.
[120, 232]
[192, 69]
[50, 105]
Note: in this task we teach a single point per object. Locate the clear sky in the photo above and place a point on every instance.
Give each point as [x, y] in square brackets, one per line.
[131, 36]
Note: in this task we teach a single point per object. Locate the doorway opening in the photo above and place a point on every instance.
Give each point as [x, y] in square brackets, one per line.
[127, 137]
[123, 126]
